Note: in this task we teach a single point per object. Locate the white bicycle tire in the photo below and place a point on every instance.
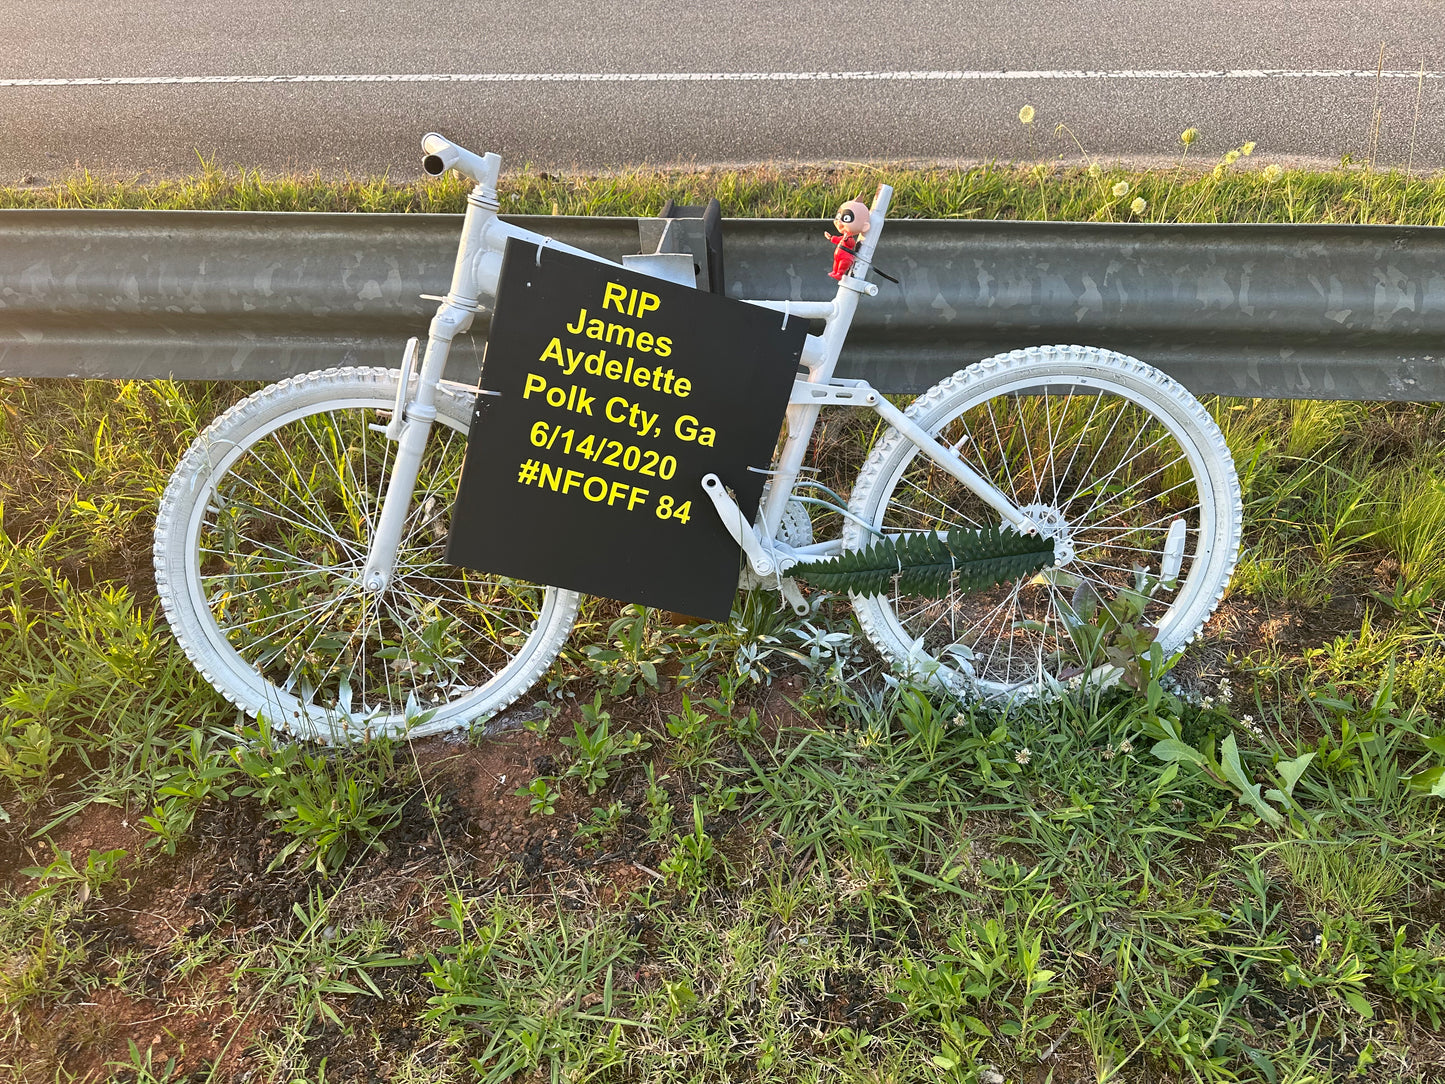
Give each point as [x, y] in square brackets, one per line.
[1093, 373]
[352, 399]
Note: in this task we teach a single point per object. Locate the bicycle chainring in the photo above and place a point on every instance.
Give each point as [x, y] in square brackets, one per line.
[796, 530]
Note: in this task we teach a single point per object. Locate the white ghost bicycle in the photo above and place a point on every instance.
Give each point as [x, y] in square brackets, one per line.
[299, 544]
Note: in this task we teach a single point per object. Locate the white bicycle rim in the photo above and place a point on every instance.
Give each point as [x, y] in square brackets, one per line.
[436, 636]
[1037, 422]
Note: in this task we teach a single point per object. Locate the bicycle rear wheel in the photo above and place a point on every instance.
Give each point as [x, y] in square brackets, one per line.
[259, 544]
[1110, 457]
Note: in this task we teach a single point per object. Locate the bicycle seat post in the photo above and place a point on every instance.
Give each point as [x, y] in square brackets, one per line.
[820, 355]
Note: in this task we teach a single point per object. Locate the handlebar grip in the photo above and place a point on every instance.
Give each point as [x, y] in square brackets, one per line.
[435, 146]
[442, 154]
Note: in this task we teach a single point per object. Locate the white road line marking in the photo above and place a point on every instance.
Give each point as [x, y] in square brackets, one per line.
[727, 77]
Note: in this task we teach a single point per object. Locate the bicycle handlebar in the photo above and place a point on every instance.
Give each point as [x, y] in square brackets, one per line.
[442, 154]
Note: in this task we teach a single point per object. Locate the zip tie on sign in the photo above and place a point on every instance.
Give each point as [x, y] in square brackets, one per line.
[545, 242]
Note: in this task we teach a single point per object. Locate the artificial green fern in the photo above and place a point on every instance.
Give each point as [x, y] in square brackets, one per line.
[931, 565]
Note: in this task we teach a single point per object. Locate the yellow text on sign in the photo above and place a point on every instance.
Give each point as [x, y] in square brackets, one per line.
[596, 489]
[634, 302]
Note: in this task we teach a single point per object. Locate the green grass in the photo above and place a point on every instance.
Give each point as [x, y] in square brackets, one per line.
[901, 890]
[1237, 192]
[751, 859]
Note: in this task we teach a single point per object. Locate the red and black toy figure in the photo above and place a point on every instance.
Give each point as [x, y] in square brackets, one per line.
[851, 222]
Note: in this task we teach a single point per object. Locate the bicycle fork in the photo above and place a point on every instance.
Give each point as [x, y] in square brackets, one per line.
[410, 426]
[414, 415]
[478, 267]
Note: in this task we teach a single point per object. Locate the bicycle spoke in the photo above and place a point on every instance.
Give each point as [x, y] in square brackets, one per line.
[1102, 485]
[1116, 494]
[367, 505]
[467, 600]
[1013, 491]
[961, 516]
[1141, 504]
[307, 499]
[1080, 442]
[1099, 464]
[320, 528]
[1152, 525]
[1008, 605]
[231, 596]
[305, 615]
[280, 554]
[1088, 471]
[282, 532]
[1049, 430]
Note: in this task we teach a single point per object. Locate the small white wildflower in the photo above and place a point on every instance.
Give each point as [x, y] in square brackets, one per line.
[1271, 173]
[1121, 189]
[1094, 169]
[1026, 115]
[1248, 720]
[1108, 753]
[958, 720]
[1126, 747]
[1023, 755]
[1139, 206]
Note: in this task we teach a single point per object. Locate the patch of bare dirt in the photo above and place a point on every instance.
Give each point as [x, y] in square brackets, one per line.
[191, 1022]
[102, 827]
[143, 981]
[392, 1025]
[1244, 625]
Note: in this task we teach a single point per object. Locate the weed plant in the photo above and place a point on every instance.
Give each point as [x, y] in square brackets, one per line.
[782, 867]
[1201, 881]
[1235, 189]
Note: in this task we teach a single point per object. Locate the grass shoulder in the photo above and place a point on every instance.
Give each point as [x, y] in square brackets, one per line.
[730, 847]
[1233, 191]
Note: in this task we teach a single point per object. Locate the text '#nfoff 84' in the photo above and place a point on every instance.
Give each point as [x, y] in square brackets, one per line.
[609, 426]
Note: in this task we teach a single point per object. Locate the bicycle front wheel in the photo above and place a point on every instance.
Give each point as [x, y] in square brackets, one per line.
[1115, 461]
[259, 545]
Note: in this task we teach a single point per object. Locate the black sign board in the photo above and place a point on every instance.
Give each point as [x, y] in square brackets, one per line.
[617, 393]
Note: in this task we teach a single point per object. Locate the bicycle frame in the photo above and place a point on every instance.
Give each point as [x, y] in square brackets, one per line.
[474, 284]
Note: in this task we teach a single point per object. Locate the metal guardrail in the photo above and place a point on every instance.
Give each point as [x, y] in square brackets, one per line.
[1334, 312]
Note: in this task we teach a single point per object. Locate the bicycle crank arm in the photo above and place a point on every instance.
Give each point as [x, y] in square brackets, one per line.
[945, 458]
[738, 526]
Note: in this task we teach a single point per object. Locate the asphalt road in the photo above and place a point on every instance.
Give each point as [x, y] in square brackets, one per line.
[1296, 76]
